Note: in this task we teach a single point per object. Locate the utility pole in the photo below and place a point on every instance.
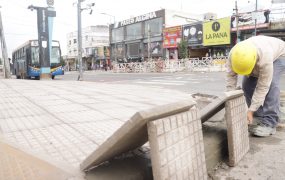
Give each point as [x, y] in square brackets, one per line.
[149, 43]
[6, 62]
[255, 18]
[79, 40]
[79, 35]
[115, 40]
[237, 19]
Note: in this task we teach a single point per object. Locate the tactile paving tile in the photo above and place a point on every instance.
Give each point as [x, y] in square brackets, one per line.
[237, 129]
[177, 147]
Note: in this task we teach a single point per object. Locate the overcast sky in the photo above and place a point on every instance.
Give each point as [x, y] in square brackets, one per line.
[20, 23]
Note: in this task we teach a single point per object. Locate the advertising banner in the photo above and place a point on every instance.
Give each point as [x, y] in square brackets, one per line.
[193, 34]
[217, 32]
[172, 36]
[247, 20]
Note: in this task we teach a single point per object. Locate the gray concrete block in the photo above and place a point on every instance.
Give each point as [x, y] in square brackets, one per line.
[133, 133]
[237, 129]
[177, 147]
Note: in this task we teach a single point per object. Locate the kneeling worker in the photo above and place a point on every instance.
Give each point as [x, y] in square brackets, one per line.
[261, 59]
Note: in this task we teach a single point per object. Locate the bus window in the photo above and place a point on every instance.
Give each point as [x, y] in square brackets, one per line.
[35, 55]
[55, 55]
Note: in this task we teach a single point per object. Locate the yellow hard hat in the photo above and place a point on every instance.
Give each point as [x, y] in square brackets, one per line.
[243, 58]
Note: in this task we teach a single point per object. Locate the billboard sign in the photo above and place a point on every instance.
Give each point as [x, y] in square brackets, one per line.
[248, 19]
[193, 34]
[217, 32]
[171, 36]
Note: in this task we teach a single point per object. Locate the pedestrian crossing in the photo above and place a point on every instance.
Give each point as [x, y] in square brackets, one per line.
[168, 80]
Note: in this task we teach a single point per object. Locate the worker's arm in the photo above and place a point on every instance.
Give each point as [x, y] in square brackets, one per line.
[263, 85]
[231, 78]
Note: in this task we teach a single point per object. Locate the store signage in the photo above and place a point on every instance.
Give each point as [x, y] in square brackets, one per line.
[138, 19]
[171, 36]
[217, 32]
[193, 34]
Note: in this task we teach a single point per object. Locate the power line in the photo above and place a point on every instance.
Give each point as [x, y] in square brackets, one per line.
[16, 34]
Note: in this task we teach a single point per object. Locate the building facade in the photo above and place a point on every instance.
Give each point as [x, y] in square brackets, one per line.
[141, 38]
[95, 45]
[157, 34]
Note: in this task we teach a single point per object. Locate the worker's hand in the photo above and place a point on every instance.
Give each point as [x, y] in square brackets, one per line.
[249, 117]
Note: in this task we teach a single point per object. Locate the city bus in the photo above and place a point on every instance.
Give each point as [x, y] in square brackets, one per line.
[26, 60]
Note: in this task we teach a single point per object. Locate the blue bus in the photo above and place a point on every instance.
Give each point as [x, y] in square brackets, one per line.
[26, 60]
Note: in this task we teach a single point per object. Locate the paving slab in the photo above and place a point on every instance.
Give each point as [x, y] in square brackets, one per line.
[237, 128]
[177, 147]
[133, 133]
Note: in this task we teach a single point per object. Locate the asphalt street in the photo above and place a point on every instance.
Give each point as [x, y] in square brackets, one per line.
[190, 82]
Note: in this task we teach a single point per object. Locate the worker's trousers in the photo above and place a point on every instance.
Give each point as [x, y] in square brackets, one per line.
[269, 112]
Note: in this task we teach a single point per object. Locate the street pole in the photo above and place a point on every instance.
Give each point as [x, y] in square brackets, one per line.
[6, 62]
[148, 44]
[255, 18]
[79, 41]
[237, 19]
[44, 22]
[115, 40]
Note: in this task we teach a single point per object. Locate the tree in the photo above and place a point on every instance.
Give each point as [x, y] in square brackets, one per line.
[183, 49]
[62, 62]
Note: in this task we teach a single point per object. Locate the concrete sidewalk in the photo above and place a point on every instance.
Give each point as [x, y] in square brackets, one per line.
[66, 121]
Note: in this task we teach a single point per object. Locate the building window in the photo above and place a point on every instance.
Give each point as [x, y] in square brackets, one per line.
[74, 41]
[134, 31]
[155, 27]
[69, 42]
[133, 49]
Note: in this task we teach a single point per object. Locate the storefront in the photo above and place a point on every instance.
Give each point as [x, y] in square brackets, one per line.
[171, 39]
[137, 39]
[193, 35]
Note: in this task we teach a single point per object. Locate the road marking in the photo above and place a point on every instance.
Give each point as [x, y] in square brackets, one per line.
[171, 81]
[162, 83]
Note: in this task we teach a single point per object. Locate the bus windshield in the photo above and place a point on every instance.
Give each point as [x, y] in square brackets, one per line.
[35, 55]
[55, 55]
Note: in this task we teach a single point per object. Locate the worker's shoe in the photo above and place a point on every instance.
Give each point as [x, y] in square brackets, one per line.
[253, 125]
[263, 130]
[281, 124]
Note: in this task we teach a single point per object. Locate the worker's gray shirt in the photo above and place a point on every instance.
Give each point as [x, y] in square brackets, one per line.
[268, 50]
